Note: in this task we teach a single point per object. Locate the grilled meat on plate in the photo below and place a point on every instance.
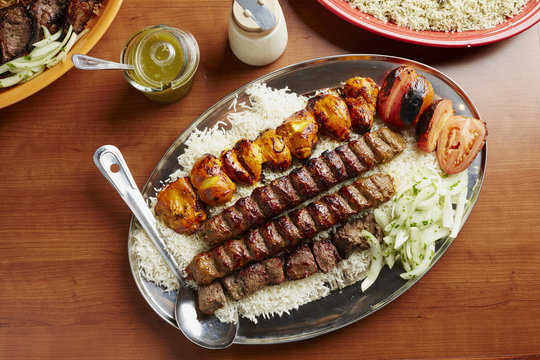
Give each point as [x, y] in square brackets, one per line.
[317, 175]
[300, 133]
[16, 33]
[275, 152]
[211, 298]
[332, 115]
[243, 163]
[301, 263]
[273, 237]
[361, 99]
[179, 207]
[212, 184]
[48, 13]
[326, 255]
[297, 264]
[348, 237]
[79, 13]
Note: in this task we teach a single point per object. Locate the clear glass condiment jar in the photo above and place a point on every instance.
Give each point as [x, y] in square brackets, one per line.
[165, 60]
[249, 42]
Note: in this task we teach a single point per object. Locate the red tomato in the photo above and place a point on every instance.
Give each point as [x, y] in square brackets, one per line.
[461, 139]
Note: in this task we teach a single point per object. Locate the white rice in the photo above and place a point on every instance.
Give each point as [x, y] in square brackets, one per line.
[441, 15]
[267, 109]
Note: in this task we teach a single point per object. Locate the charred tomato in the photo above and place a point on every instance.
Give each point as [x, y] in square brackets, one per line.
[431, 123]
[404, 95]
[461, 139]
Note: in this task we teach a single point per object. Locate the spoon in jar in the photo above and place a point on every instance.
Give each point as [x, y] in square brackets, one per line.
[203, 330]
[85, 62]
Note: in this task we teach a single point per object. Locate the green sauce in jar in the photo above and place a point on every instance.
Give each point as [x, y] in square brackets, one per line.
[165, 60]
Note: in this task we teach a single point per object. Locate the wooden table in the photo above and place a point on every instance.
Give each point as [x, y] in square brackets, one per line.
[66, 289]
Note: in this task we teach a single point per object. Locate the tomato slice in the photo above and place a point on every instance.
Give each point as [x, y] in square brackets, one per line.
[461, 139]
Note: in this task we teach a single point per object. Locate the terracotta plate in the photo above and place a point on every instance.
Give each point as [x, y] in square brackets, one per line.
[527, 17]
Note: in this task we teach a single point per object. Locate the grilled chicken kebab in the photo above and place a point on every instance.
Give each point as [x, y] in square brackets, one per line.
[179, 206]
[361, 98]
[287, 231]
[316, 176]
[299, 132]
[214, 179]
[300, 263]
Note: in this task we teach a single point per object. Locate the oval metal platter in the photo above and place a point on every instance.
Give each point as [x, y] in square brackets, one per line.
[348, 305]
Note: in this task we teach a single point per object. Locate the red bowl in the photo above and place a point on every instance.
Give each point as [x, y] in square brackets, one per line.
[527, 17]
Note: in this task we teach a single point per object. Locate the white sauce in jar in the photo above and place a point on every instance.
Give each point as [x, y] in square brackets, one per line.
[250, 43]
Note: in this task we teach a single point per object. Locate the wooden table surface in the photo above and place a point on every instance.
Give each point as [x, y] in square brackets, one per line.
[66, 289]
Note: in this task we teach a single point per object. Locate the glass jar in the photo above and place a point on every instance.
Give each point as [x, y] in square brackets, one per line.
[165, 60]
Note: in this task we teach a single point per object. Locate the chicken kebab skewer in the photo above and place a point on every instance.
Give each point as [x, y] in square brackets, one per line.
[214, 178]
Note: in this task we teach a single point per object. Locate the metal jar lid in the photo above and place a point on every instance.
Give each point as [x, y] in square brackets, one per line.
[244, 17]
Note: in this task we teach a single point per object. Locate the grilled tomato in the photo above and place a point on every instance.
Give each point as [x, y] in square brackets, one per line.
[404, 95]
[431, 123]
[461, 139]
[179, 207]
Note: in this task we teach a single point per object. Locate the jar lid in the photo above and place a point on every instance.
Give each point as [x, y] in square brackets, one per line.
[243, 17]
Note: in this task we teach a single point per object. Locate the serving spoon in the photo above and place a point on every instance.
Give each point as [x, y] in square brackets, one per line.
[203, 330]
[85, 62]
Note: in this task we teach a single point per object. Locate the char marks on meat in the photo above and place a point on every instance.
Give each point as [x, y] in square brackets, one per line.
[268, 202]
[321, 173]
[274, 270]
[20, 26]
[79, 13]
[288, 230]
[16, 33]
[253, 278]
[48, 13]
[348, 237]
[304, 183]
[301, 262]
[256, 245]
[326, 255]
[211, 298]
[302, 223]
[317, 175]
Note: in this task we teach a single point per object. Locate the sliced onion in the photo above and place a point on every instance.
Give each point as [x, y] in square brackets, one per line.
[48, 39]
[376, 260]
[447, 212]
[460, 211]
[46, 53]
[430, 210]
[382, 219]
[423, 266]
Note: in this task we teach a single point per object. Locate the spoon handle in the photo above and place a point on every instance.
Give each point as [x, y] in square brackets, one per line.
[111, 163]
[85, 62]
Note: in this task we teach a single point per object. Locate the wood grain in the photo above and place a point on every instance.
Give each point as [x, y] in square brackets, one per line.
[66, 289]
